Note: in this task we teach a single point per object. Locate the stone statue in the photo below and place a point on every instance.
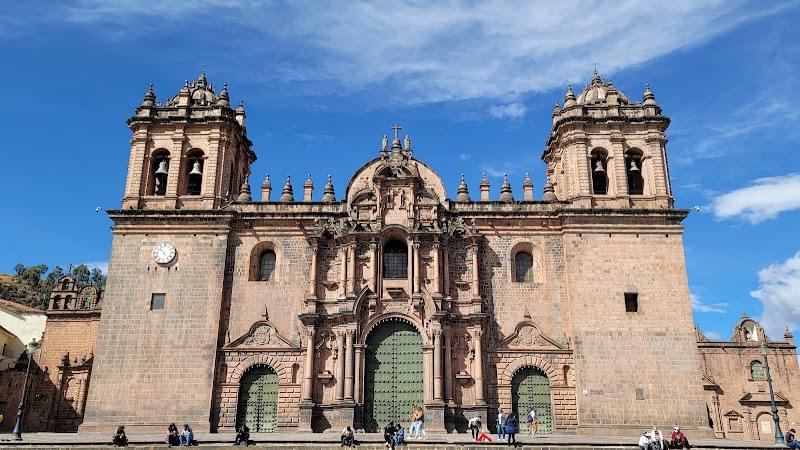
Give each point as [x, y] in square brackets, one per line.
[385, 144]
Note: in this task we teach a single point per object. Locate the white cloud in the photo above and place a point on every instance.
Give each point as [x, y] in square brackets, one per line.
[699, 306]
[712, 335]
[514, 110]
[421, 52]
[764, 200]
[102, 265]
[779, 292]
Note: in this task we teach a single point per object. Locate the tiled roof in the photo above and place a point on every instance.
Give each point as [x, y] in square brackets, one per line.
[18, 307]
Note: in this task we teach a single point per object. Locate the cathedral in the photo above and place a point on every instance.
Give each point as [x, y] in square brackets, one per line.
[306, 312]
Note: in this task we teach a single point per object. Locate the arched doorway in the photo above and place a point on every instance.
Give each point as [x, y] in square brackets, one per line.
[258, 400]
[530, 390]
[766, 432]
[392, 375]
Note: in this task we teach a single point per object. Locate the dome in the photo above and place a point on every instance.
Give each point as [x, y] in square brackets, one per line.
[201, 92]
[596, 92]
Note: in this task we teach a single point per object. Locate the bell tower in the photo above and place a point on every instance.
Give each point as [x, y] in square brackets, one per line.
[607, 151]
[188, 152]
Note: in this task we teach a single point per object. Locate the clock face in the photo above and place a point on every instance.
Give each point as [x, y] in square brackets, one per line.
[163, 252]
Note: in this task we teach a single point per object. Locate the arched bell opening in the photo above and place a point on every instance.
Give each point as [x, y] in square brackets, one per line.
[159, 171]
[599, 171]
[633, 169]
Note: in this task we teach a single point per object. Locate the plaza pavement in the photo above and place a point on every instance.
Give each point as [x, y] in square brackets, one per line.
[367, 441]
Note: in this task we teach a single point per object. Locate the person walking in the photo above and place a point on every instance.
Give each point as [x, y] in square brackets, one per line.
[475, 427]
[533, 424]
[512, 427]
[501, 424]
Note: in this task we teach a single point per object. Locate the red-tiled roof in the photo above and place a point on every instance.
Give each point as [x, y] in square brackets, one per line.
[18, 307]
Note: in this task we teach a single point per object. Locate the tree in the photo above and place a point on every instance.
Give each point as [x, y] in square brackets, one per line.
[82, 275]
[97, 279]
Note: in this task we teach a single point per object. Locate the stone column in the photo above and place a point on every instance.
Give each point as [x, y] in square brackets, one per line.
[357, 379]
[437, 365]
[476, 293]
[478, 375]
[312, 288]
[437, 288]
[343, 270]
[373, 246]
[340, 360]
[416, 267]
[351, 270]
[348, 361]
[448, 366]
[308, 369]
[427, 374]
[446, 254]
[617, 152]
[410, 267]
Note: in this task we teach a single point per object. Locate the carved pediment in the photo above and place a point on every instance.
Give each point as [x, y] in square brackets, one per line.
[528, 335]
[261, 335]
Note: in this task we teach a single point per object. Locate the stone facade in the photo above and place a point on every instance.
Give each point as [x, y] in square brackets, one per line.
[735, 382]
[205, 285]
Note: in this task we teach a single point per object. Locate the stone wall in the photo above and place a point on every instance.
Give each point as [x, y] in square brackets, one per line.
[157, 366]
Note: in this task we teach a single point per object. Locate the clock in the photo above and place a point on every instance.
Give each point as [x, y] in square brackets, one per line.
[164, 252]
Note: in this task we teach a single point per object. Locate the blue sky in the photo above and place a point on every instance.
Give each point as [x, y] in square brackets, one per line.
[473, 84]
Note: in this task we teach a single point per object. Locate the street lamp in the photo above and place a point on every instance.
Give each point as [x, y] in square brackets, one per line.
[778, 434]
[17, 433]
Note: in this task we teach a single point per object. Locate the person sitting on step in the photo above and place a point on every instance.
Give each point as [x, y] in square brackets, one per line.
[120, 439]
[388, 434]
[399, 435]
[347, 437]
[243, 436]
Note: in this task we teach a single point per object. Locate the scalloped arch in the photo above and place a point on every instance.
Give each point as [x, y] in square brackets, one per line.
[258, 360]
[372, 324]
[530, 361]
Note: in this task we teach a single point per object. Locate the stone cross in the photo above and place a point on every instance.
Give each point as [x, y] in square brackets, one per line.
[396, 129]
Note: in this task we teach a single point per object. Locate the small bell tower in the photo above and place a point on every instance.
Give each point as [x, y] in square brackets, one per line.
[607, 151]
[189, 152]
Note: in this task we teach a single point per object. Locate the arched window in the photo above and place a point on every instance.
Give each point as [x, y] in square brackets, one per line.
[757, 371]
[395, 260]
[57, 302]
[65, 285]
[599, 172]
[266, 266]
[523, 265]
[633, 169]
[194, 172]
[159, 169]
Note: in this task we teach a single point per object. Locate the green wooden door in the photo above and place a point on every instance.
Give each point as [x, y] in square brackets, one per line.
[530, 390]
[393, 374]
[258, 400]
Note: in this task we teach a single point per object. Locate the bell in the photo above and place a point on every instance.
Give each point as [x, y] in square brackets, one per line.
[598, 166]
[162, 168]
[634, 167]
[196, 168]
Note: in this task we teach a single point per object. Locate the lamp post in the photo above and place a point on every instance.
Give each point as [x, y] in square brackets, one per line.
[778, 434]
[17, 433]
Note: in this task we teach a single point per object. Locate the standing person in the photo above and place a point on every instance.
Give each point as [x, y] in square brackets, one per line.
[120, 439]
[172, 438]
[415, 423]
[512, 427]
[501, 424]
[475, 427]
[533, 424]
[791, 440]
[348, 437]
[388, 434]
[187, 436]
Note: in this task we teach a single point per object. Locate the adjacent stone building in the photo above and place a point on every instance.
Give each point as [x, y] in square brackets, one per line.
[323, 311]
[735, 381]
